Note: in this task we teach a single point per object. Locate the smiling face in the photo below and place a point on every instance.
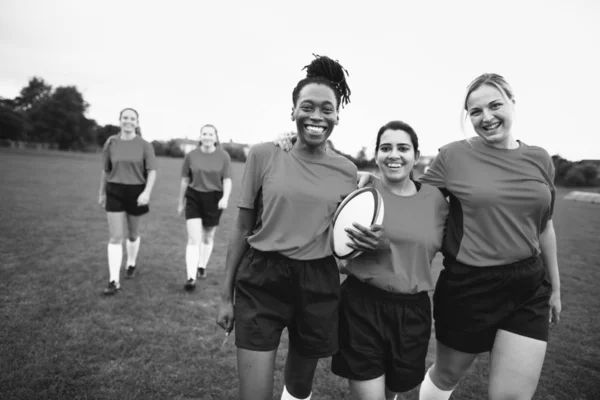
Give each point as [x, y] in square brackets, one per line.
[208, 136]
[396, 155]
[128, 121]
[491, 114]
[315, 114]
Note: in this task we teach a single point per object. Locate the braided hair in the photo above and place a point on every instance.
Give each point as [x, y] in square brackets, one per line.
[328, 72]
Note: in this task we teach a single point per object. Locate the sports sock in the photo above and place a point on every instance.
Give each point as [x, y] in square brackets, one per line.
[115, 258]
[132, 250]
[285, 395]
[428, 390]
[205, 252]
[192, 254]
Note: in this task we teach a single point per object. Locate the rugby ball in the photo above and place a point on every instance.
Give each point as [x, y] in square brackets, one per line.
[363, 206]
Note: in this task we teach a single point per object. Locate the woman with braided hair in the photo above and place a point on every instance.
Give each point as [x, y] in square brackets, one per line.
[279, 260]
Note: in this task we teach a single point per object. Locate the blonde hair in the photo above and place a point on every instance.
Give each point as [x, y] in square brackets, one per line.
[490, 79]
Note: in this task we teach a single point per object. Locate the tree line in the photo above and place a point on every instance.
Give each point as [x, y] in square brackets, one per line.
[56, 116]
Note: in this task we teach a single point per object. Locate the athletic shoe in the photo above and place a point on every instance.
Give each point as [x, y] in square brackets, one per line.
[201, 273]
[130, 272]
[190, 285]
[112, 288]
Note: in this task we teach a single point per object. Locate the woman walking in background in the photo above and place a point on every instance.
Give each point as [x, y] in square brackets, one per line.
[204, 194]
[128, 175]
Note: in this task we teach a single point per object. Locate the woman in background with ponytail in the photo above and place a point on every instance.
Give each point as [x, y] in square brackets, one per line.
[128, 175]
[204, 194]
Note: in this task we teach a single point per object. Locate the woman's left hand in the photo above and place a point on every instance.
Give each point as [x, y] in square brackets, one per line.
[555, 308]
[368, 239]
[143, 199]
[222, 204]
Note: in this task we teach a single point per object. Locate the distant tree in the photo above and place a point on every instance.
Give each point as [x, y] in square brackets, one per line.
[104, 132]
[60, 119]
[12, 124]
[159, 148]
[172, 149]
[590, 173]
[575, 177]
[34, 93]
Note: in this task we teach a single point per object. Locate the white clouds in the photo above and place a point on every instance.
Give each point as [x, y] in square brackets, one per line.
[234, 64]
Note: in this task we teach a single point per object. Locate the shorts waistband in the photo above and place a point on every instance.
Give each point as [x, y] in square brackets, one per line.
[458, 267]
[356, 285]
[277, 255]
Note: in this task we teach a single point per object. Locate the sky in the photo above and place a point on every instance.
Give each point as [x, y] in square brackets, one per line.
[234, 64]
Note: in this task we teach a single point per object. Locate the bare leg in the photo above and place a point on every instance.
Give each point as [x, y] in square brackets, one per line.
[299, 373]
[255, 369]
[515, 366]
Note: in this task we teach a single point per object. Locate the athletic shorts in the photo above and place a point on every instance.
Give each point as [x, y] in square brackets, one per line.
[273, 292]
[382, 333]
[203, 205]
[472, 303]
[121, 197]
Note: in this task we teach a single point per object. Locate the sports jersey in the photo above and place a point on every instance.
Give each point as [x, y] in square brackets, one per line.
[299, 194]
[126, 161]
[414, 226]
[206, 171]
[500, 200]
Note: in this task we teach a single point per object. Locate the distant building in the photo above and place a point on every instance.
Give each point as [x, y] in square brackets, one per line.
[186, 145]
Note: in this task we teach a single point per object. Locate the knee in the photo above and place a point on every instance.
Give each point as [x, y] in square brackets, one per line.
[445, 377]
[207, 239]
[115, 239]
[193, 241]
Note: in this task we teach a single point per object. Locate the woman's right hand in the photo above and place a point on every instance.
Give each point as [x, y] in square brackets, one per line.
[225, 316]
[102, 199]
[180, 208]
[365, 179]
[285, 140]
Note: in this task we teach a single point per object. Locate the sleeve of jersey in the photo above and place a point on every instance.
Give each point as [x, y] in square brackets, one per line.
[149, 156]
[436, 173]
[185, 167]
[227, 166]
[252, 178]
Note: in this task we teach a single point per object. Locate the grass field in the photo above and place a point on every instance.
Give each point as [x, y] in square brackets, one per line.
[61, 339]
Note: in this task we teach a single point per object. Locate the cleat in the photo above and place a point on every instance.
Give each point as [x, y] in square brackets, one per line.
[130, 272]
[112, 288]
[190, 285]
[201, 273]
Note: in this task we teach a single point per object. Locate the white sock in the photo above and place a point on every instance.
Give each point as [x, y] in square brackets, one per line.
[287, 396]
[429, 391]
[115, 258]
[205, 252]
[192, 254]
[132, 250]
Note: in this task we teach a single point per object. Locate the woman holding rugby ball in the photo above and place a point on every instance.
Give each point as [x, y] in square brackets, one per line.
[128, 175]
[385, 311]
[279, 260]
[499, 290]
[204, 194]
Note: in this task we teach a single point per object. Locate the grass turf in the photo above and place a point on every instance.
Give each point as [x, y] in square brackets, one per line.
[61, 339]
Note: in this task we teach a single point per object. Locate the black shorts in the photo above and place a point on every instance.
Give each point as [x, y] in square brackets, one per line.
[121, 197]
[203, 205]
[382, 333]
[472, 303]
[273, 292]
